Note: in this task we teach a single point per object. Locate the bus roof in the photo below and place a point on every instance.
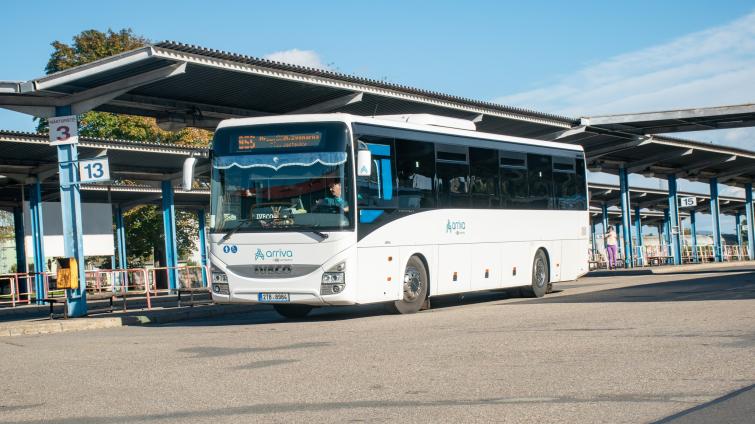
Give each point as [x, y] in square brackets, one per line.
[392, 123]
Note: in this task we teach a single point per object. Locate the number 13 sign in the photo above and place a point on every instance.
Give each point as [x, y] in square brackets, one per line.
[94, 170]
[63, 130]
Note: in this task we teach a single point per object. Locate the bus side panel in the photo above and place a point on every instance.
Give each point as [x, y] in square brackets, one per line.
[454, 268]
[380, 277]
[575, 259]
[516, 264]
[486, 266]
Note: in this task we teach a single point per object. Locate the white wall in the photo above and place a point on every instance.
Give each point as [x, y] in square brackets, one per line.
[97, 219]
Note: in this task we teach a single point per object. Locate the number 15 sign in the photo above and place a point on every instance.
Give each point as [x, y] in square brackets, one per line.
[63, 130]
[94, 170]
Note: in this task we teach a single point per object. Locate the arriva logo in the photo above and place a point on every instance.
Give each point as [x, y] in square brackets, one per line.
[456, 227]
[276, 255]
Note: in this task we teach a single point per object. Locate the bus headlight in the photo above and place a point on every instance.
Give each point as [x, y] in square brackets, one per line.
[219, 282]
[334, 280]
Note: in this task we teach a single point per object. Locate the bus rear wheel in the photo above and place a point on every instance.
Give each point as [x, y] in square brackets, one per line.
[540, 277]
[293, 311]
[415, 287]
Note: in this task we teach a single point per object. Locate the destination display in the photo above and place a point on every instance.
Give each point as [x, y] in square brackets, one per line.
[278, 141]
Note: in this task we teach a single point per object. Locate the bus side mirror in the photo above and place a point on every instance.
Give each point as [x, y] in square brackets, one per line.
[364, 163]
[188, 173]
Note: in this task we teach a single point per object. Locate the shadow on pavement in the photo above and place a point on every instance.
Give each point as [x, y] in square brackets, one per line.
[730, 287]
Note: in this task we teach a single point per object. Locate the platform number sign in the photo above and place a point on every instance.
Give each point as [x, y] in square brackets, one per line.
[63, 130]
[688, 202]
[94, 170]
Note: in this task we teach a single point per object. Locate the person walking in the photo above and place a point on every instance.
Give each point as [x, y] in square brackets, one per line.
[612, 248]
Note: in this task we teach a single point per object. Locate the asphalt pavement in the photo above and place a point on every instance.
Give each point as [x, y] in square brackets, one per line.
[618, 348]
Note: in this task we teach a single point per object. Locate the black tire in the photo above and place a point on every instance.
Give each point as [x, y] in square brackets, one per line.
[293, 311]
[416, 283]
[540, 276]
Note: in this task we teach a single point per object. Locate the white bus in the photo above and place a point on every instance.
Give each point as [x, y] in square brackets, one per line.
[336, 209]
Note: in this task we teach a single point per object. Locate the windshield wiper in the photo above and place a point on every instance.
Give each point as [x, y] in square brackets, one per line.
[233, 230]
[322, 235]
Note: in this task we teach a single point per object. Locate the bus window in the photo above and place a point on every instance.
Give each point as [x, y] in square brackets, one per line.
[540, 181]
[377, 190]
[483, 165]
[452, 169]
[415, 170]
[515, 191]
[565, 183]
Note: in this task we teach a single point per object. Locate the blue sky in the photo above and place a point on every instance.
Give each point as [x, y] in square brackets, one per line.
[577, 58]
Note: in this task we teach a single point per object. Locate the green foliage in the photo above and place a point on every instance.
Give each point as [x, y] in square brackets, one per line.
[91, 45]
[144, 233]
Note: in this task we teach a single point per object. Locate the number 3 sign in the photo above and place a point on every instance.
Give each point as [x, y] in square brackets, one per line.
[63, 130]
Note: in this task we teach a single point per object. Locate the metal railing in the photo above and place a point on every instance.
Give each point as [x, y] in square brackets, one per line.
[121, 282]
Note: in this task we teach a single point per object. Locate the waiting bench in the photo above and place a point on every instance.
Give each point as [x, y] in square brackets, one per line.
[52, 301]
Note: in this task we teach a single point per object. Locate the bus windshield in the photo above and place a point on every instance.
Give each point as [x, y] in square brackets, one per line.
[298, 188]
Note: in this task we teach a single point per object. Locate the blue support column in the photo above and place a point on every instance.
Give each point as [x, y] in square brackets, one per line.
[203, 244]
[626, 219]
[70, 206]
[18, 226]
[714, 213]
[169, 227]
[738, 226]
[693, 234]
[638, 229]
[667, 231]
[619, 238]
[120, 238]
[37, 239]
[673, 206]
[749, 218]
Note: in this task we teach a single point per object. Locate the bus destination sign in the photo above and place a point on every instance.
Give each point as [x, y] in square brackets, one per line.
[278, 141]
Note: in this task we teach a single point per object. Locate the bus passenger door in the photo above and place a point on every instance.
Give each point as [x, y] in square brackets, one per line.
[379, 262]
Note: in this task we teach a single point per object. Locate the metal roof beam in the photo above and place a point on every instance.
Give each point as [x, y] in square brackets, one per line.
[725, 176]
[87, 100]
[170, 105]
[695, 167]
[330, 105]
[563, 134]
[681, 114]
[643, 164]
[84, 101]
[602, 151]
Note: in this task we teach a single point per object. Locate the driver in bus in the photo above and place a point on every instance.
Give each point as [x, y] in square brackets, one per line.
[336, 200]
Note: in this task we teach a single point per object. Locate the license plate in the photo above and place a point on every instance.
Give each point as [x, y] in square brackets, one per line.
[273, 297]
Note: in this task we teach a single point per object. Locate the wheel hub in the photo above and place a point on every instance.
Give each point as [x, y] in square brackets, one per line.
[412, 284]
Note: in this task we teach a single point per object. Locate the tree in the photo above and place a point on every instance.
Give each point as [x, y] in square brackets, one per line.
[144, 230]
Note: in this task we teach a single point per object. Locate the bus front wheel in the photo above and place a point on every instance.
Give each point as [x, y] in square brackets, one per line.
[293, 311]
[540, 276]
[415, 287]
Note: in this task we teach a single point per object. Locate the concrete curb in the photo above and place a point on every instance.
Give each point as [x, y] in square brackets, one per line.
[99, 322]
[670, 269]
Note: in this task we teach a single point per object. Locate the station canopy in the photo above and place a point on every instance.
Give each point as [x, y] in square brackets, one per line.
[185, 85]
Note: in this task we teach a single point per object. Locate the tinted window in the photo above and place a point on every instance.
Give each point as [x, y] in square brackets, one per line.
[453, 185]
[483, 179]
[540, 181]
[415, 170]
[514, 188]
[378, 190]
